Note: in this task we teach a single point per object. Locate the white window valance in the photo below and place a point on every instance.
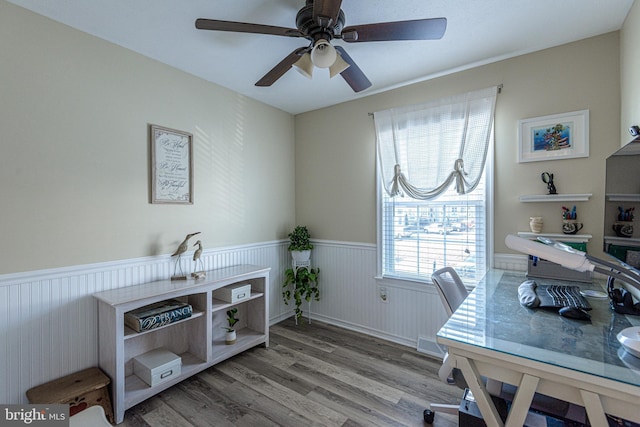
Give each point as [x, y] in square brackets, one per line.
[423, 149]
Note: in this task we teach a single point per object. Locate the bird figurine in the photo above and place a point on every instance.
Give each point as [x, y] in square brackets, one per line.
[181, 249]
[196, 259]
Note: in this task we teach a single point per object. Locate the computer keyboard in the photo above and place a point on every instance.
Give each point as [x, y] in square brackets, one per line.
[561, 296]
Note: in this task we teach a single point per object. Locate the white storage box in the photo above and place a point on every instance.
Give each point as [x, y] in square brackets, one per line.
[157, 366]
[234, 293]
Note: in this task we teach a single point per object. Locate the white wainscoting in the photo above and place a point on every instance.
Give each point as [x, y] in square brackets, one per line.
[48, 318]
[48, 321]
[350, 298]
[510, 262]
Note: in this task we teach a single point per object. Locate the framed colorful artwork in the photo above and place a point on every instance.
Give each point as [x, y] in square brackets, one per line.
[554, 137]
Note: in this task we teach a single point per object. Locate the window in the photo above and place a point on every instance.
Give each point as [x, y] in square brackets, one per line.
[434, 193]
[420, 236]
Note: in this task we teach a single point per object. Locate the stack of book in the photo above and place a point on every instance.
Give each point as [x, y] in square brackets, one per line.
[156, 315]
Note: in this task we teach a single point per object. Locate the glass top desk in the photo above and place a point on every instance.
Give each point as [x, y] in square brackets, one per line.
[581, 362]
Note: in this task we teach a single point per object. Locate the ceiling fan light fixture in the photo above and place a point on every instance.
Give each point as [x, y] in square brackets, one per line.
[323, 55]
[338, 66]
[304, 65]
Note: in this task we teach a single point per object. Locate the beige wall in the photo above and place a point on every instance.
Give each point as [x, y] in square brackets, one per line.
[335, 147]
[630, 72]
[73, 126]
[74, 112]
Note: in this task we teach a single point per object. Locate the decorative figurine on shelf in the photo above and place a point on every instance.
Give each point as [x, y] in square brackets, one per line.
[547, 178]
[625, 214]
[196, 259]
[624, 226]
[569, 213]
[570, 224]
[181, 249]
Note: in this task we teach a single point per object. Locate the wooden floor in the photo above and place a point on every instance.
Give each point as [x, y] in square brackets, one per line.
[311, 375]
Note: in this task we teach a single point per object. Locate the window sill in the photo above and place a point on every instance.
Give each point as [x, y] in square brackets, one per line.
[403, 283]
[411, 284]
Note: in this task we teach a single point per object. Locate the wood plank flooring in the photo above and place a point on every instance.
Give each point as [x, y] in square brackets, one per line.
[311, 375]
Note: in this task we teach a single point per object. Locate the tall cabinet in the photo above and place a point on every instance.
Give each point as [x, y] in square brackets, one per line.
[198, 340]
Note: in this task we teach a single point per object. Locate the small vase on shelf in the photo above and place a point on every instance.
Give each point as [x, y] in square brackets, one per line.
[535, 222]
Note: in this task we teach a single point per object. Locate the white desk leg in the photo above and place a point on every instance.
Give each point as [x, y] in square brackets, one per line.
[474, 381]
[522, 401]
[594, 408]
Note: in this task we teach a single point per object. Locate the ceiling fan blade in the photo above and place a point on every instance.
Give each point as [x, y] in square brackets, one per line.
[244, 27]
[353, 75]
[420, 29]
[325, 12]
[282, 67]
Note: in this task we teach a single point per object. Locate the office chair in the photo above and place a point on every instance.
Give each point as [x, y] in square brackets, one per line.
[452, 293]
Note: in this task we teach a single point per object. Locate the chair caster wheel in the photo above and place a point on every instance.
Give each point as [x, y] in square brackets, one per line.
[428, 416]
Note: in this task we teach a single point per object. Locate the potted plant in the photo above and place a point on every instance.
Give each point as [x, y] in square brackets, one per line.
[301, 283]
[300, 245]
[230, 336]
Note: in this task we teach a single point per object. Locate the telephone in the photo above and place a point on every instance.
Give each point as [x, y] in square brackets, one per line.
[621, 300]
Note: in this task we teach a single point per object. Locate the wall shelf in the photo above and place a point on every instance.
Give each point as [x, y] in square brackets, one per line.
[623, 197]
[622, 241]
[572, 238]
[555, 198]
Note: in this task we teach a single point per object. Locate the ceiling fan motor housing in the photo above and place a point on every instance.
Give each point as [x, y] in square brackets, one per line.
[314, 30]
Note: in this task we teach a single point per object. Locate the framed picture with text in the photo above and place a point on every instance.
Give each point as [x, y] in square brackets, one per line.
[555, 137]
[171, 165]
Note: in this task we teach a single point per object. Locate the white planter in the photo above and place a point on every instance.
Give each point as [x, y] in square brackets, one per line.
[230, 338]
[301, 256]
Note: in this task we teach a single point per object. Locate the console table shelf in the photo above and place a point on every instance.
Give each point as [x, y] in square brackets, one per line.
[246, 339]
[221, 305]
[130, 333]
[198, 340]
[137, 391]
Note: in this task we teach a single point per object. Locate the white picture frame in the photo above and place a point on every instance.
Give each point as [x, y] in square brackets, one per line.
[171, 165]
[554, 137]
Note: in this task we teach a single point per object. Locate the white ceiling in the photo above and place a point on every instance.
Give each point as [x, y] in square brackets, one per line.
[478, 32]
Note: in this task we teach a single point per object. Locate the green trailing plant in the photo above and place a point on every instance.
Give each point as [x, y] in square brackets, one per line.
[301, 284]
[299, 239]
[231, 319]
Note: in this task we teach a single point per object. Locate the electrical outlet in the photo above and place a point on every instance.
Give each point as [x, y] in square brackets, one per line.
[383, 295]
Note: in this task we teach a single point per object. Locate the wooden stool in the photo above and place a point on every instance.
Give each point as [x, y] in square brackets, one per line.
[80, 390]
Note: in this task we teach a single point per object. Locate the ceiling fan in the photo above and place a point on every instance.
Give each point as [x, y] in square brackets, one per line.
[320, 21]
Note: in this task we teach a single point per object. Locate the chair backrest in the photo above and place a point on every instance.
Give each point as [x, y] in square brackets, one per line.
[450, 288]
